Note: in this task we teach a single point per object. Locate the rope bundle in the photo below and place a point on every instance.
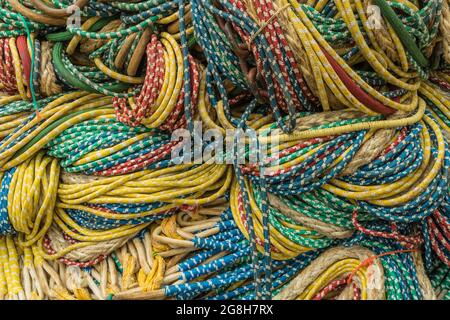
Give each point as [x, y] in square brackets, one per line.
[361, 276]
[100, 198]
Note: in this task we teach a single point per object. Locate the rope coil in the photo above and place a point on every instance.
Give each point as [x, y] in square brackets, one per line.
[100, 197]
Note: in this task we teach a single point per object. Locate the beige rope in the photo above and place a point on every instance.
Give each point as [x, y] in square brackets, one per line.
[326, 229]
[445, 30]
[424, 282]
[86, 253]
[375, 273]
[48, 85]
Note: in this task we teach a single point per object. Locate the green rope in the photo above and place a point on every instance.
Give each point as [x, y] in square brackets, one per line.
[33, 92]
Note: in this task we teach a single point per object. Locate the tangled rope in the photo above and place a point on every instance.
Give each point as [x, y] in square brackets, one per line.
[322, 129]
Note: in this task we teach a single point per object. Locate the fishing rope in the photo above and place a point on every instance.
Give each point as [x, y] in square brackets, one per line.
[323, 132]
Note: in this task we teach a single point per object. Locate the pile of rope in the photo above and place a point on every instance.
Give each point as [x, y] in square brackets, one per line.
[323, 128]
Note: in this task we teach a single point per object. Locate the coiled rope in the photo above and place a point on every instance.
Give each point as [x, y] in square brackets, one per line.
[100, 197]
